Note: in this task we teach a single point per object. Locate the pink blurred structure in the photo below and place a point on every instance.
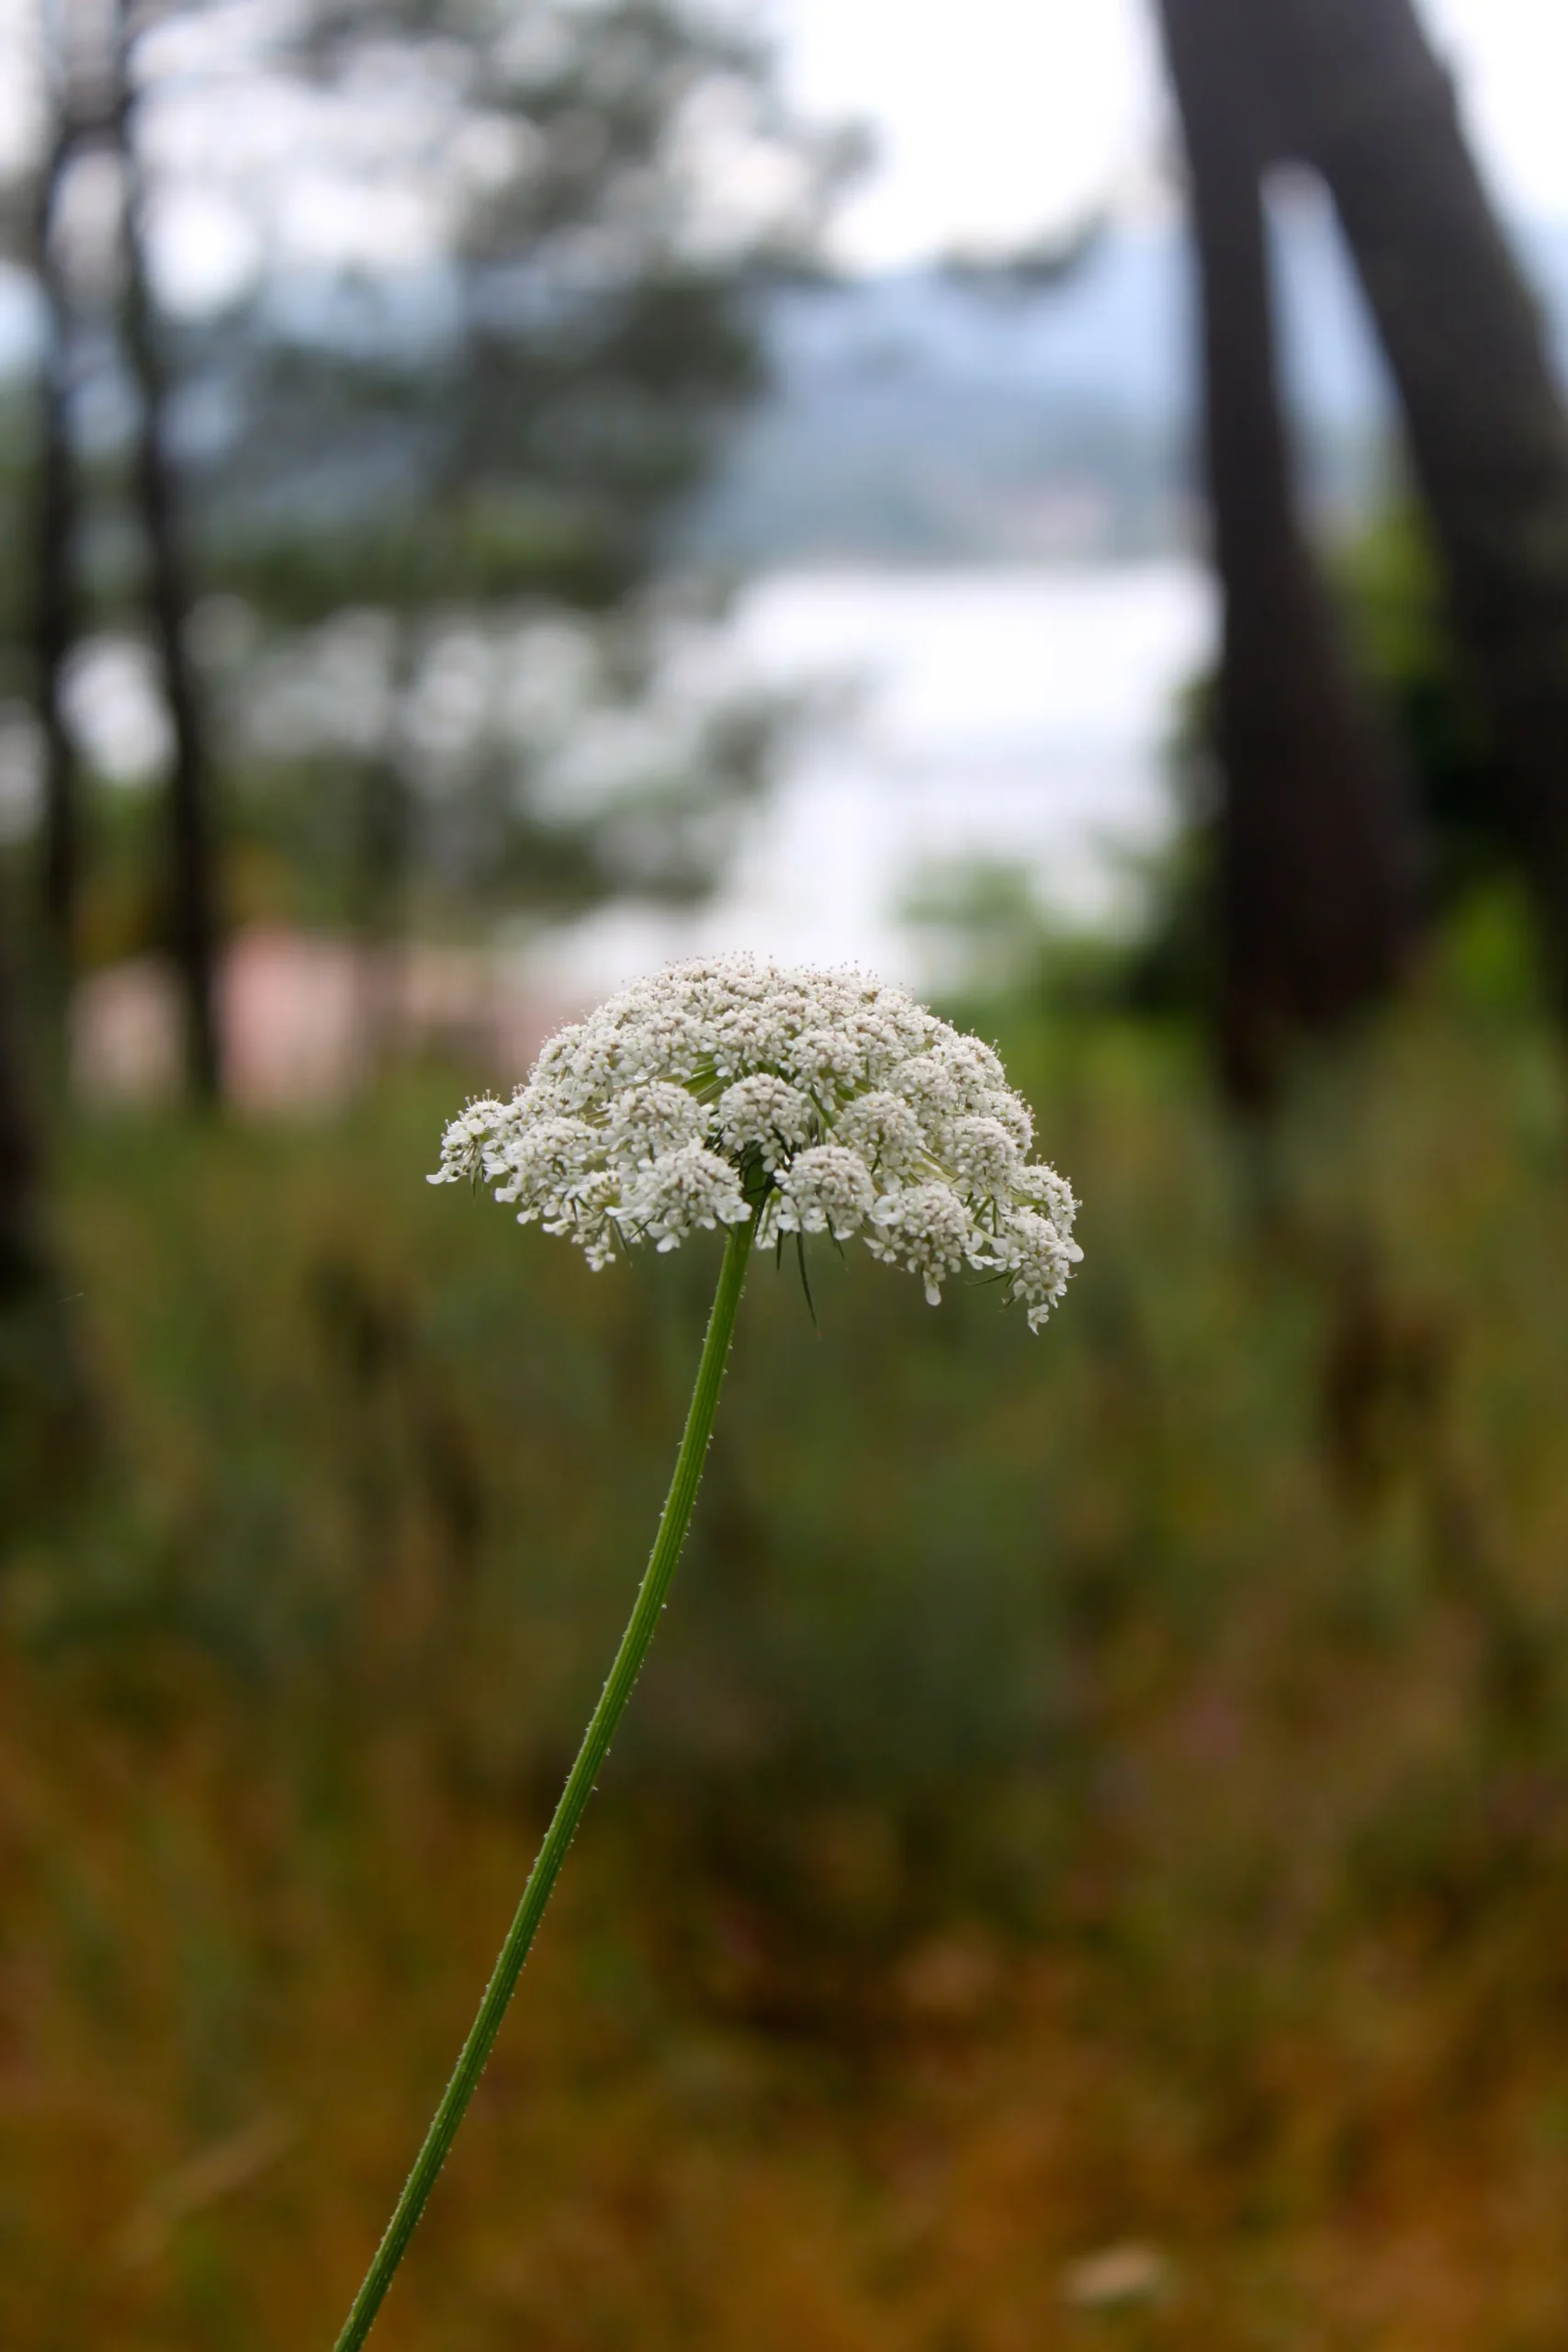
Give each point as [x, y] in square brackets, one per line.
[306, 1019]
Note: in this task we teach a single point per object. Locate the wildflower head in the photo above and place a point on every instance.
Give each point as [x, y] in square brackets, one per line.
[816, 1101]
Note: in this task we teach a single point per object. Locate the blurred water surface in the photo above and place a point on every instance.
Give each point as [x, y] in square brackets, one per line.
[999, 714]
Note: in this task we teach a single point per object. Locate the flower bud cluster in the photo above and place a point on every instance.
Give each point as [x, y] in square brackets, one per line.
[819, 1102]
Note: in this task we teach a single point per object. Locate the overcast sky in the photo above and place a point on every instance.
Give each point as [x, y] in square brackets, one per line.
[998, 118]
[995, 120]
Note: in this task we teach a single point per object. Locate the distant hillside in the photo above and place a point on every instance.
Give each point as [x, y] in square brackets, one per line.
[919, 419]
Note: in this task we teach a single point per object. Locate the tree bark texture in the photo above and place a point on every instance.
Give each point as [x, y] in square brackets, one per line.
[1370, 106]
[193, 885]
[1318, 863]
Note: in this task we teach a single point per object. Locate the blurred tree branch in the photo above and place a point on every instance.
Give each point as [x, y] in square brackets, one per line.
[509, 430]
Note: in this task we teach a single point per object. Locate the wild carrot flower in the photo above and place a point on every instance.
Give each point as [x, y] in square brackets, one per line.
[738, 1096]
[732, 1089]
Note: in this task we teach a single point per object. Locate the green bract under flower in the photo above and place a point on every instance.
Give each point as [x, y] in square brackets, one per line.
[819, 1101]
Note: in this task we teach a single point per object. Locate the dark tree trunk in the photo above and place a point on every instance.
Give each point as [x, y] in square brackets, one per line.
[192, 887]
[55, 617]
[384, 851]
[384, 821]
[1372, 108]
[19, 1247]
[1317, 860]
[45, 1424]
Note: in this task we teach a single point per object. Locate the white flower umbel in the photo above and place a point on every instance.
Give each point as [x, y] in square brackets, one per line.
[736, 1095]
[818, 1102]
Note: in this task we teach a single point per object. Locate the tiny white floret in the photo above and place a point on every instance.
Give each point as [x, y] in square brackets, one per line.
[825, 1190]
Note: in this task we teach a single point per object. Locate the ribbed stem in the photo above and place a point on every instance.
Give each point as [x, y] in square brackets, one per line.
[575, 1797]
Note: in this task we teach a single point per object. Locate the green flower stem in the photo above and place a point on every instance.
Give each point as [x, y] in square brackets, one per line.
[575, 1797]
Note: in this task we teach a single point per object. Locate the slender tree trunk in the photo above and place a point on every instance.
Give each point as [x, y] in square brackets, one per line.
[55, 617]
[45, 1423]
[1317, 860]
[1370, 106]
[192, 887]
[385, 848]
[19, 1253]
